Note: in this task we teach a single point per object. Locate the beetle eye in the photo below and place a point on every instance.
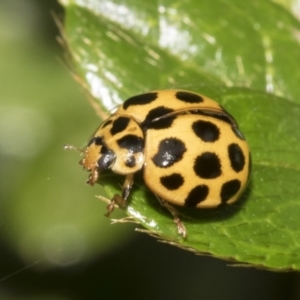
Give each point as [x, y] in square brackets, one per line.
[107, 158]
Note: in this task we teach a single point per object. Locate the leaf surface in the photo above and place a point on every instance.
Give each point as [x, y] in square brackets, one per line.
[244, 55]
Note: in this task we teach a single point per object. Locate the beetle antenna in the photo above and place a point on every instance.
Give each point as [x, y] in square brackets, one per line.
[70, 147]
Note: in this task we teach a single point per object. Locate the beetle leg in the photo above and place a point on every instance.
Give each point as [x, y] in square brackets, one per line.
[180, 226]
[94, 175]
[121, 200]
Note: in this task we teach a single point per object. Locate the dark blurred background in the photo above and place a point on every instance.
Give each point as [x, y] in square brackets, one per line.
[55, 242]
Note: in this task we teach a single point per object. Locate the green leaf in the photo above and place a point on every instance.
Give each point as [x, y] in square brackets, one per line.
[244, 55]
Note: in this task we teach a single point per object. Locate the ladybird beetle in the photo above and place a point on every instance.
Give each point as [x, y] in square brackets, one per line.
[188, 147]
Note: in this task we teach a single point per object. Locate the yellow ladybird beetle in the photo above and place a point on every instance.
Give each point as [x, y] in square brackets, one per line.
[188, 147]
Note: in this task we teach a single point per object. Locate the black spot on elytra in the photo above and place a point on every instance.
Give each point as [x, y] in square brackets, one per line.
[119, 125]
[208, 165]
[107, 158]
[106, 123]
[188, 97]
[236, 157]
[206, 131]
[97, 140]
[130, 162]
[157, 113]
[172, 182]
[162, 123]
[196, 195]
[229, 189]
[132, 143]
[224, 116]
[140, 100]
[169, 152]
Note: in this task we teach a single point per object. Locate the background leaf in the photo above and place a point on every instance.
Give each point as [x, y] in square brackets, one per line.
[234, 52]
[45, 215]
[55, 242]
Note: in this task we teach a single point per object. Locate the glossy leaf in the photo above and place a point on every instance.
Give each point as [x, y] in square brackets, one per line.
[242, 54]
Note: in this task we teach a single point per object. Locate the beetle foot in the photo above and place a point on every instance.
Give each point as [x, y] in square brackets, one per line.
[180, 227]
